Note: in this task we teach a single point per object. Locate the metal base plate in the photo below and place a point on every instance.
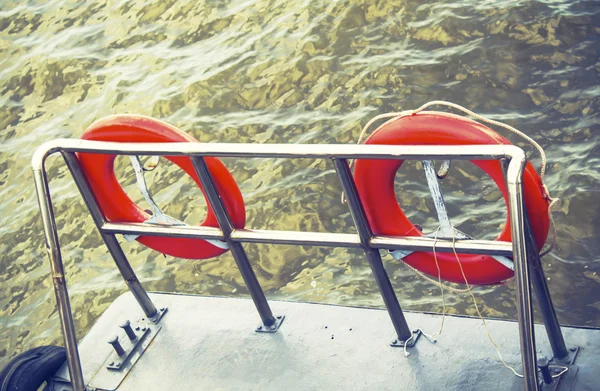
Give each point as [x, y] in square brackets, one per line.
[115, 368]
[567, 380]
[115, 362]
[569, 360]
[144, 329]
[272, 328]
[397, 343]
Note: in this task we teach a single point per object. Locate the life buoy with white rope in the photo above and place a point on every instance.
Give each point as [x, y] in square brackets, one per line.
[375, 184]
[118, 207]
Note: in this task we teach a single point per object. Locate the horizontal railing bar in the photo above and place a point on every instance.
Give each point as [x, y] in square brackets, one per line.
[326, 239]
[341, 151]
[484, 247]
[176, 231]
[296, 238]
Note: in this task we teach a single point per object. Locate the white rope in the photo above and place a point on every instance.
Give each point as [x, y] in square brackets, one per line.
[414, 334]
[436, 282]
[487, 332]
[439, 282]
[397, 115]
[432, 338]
[493, 122]
[469, 289]
[564, 370]
[406, 353]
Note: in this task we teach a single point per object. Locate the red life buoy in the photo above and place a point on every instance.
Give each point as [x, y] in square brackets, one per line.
[116, 204]
[375, 184]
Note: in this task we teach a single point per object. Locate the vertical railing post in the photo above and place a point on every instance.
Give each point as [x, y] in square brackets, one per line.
[364, 231]
[58, 278]
[237, 250]
[133, 283]
[524, 309]
[542, 295]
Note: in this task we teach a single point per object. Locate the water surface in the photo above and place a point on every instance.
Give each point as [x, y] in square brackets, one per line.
[290, 72]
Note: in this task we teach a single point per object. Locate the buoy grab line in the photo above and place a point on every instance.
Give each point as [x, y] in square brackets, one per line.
[394, 116]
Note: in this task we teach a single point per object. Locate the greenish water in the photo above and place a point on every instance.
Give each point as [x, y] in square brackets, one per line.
[290, 72]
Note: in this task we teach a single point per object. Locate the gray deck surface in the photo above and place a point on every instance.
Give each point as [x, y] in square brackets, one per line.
[209, 343]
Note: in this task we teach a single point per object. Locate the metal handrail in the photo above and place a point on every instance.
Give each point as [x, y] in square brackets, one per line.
[339, 154]
[325, 239]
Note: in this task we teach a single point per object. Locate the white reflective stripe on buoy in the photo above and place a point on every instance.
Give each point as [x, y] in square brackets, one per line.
[170, 221]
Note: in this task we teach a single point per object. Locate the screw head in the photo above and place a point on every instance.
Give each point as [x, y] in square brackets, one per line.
[279, 317]
[395, 341]
[112, 363]
[259, 328]
[573, 349]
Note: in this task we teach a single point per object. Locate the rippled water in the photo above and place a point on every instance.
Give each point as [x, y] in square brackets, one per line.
[290, 72]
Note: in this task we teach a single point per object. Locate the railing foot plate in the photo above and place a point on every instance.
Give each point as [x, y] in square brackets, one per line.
[272, 328]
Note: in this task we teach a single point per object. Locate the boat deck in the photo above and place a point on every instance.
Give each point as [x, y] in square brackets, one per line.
[210, 343]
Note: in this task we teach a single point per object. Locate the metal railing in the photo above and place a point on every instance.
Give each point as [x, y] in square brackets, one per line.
[522, 249]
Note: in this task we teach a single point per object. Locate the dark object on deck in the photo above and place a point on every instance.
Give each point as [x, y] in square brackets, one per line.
[30, 369]
[545, 370]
